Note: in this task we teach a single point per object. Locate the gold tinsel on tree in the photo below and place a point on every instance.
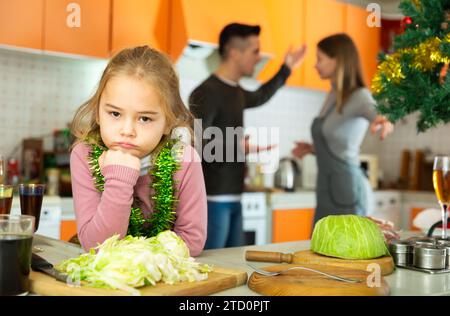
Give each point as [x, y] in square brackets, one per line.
[425, 57]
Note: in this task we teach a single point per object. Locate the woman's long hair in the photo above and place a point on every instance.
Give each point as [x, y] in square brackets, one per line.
[349, 76]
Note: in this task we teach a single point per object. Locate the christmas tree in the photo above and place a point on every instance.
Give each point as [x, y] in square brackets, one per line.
[415, 77]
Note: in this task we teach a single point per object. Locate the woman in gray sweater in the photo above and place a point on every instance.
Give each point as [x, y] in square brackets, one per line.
[339, 130]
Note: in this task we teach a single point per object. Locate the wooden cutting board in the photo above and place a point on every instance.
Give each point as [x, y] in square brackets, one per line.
[306, 283]
[308, 257]
[218, 280]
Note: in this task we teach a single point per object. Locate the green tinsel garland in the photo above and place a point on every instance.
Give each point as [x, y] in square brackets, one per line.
[163, 184]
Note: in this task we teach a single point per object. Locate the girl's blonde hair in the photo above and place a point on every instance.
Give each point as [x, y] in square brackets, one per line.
[143, 63]
[349, 75]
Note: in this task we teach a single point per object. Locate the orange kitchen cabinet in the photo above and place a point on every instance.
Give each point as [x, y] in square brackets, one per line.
[322, 18]
[68, 230]
[91, 37]
[286, 22]
[140, 22]
[292, 224]
[21, 23]
[367, 39]
[202, 21]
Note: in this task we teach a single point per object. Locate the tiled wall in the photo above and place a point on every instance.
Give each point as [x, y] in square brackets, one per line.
[405, 137]
[40, 93]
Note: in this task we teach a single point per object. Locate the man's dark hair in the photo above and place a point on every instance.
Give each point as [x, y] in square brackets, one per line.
[236, 30]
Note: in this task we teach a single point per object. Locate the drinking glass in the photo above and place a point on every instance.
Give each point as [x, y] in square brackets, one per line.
[6, 197]
[31, 196]
[2, 170]
[441, 183]
[16, 238]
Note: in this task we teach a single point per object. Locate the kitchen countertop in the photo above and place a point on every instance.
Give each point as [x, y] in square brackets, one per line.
[401, 282]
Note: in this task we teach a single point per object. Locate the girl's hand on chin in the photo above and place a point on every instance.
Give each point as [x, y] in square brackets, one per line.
[117, 157]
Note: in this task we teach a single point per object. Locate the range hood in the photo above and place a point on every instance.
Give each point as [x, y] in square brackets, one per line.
[198, 60]
[195, 33]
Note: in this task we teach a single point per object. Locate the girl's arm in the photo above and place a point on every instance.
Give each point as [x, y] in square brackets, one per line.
[191, 222]
[100, 215]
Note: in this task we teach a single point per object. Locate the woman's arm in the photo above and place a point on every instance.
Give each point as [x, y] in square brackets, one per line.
[302, 149]
[381, 123]
[363, 104]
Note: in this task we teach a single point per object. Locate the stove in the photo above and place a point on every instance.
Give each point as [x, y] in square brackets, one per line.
[256, 218]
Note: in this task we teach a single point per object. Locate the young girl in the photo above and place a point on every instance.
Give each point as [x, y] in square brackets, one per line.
[128, 175]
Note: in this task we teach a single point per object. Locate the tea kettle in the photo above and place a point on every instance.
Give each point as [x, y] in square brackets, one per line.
[287, 176]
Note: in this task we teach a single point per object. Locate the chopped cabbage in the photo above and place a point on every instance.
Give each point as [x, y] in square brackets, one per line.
[132, 262]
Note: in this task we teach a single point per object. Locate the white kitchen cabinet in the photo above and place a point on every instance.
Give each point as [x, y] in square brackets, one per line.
[401, 207]
[413, 202]
[387, 206]
[293, 200]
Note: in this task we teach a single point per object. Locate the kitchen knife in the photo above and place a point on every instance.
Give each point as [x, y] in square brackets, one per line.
[40, 264]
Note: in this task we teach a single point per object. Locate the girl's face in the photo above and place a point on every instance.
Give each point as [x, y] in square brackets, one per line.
[325, 65]
[131, 116]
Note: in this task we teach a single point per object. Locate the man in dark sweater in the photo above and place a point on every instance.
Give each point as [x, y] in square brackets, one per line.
[220, 102]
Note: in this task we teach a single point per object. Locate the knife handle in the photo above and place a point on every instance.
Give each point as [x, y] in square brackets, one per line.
[268, 256]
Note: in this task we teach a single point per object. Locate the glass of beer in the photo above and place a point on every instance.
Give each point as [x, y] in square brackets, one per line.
[31, 196]
[6, 197]
[441, 183]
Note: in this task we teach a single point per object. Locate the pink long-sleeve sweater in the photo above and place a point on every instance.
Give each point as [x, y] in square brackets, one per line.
[101, 215]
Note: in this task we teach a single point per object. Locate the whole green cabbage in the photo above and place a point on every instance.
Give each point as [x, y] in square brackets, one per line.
[348, 237]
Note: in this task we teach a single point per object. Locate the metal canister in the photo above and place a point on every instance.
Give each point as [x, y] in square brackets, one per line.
[424, 243]
[427, 241]
[414, 238]
[447, 259]
[442, 241]
[429, 257]
[402, 252]
[446, 244]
